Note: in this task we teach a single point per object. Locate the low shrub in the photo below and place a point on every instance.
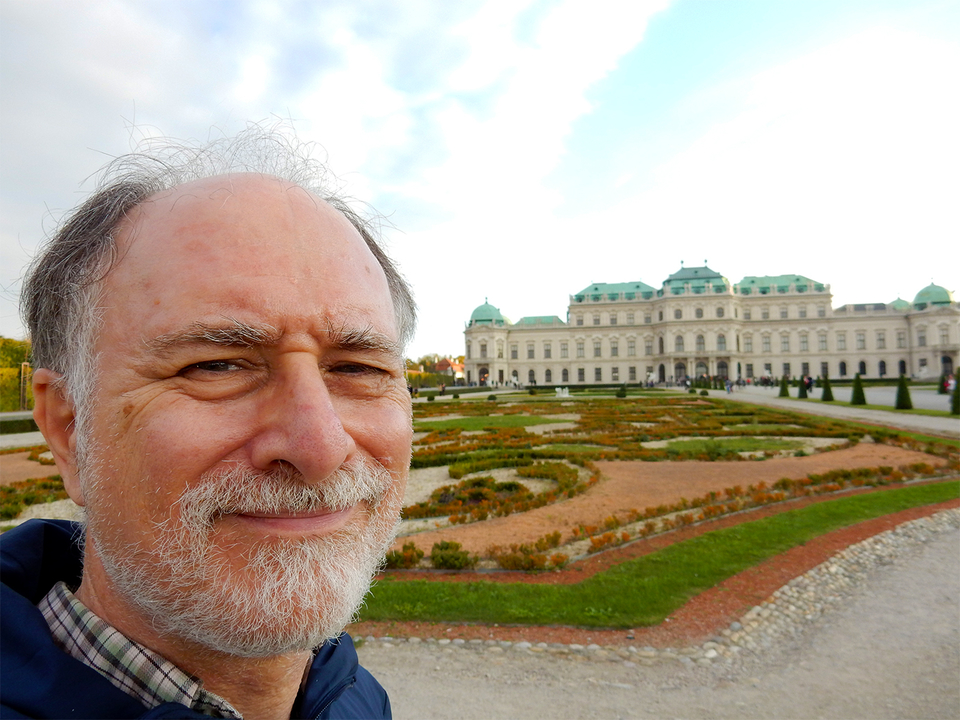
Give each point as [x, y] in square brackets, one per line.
[448, 555]
[410, 556]
[491, 397]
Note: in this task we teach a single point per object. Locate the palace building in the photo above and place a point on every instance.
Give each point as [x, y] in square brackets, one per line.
[699, 323]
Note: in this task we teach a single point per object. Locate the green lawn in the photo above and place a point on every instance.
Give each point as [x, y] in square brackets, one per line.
[734, 444]
[644, 591]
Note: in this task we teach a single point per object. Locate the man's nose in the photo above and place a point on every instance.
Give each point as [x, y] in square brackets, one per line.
[298, 423]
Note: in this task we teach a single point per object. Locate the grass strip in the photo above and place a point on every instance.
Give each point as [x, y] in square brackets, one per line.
[484, 422]
[644, 591]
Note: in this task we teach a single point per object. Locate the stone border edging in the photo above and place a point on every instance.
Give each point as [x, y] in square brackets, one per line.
[786, 613]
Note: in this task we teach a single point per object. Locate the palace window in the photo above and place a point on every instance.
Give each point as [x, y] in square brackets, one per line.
[596, 348]
[765, 313]
[483, 350]
[784, 343]
[613, 318]
[580, 349]
[841, 341]
[901, 339]
[614, 348]
[720, 312]
[547, 350]
[804, 343]
[746, 314]
[579, 319]
[677, 314]
[564, 351]
[748, 343]
[861, 341]
[766, 343]
[678, 343]
[783, 313]
[580, 375]
[802, 312]
[597, 374]
[721, 342]
[701, 345]
[699, 313]
[530, 351]
[631, 348]
[822, 341]
[615, 374]
[632, 373]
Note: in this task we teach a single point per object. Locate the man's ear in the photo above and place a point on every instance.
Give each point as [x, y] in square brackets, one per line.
[55, 416]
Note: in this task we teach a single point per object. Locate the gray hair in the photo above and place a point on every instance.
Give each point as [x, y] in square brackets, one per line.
[61, 292]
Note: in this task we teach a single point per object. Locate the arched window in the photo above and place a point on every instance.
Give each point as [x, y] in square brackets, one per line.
[701, 345]
[661, 346]
[701, 369]
[721, 342]
[903, 367]
[565, 375]
[679, 371]
[882, 369]
[531, 377]
[722, 369]
[548, 377]
[843, 368]
[678, 343]
[863, 367]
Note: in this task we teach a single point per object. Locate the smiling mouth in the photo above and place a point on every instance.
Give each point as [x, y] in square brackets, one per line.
[312, 522]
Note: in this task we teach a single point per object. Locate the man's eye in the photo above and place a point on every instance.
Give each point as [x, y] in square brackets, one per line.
[210, 366]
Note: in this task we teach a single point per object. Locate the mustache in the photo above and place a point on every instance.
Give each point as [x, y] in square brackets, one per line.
[241, 490]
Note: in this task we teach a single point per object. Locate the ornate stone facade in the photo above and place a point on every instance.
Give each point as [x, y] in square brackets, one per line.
[699, 323]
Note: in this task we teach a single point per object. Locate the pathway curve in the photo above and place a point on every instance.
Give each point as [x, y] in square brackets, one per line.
[892, 650]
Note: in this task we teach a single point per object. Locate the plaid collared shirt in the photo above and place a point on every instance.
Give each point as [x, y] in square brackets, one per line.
[133, 668]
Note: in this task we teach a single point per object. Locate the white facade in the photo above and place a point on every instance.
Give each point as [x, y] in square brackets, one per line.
[699, 323]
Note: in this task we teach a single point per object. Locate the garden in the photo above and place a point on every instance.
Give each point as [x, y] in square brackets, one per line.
[604, 513]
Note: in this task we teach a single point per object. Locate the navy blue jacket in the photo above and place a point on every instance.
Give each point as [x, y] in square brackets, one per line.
[39, 680]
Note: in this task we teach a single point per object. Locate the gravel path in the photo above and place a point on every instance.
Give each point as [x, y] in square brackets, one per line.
[872, 633]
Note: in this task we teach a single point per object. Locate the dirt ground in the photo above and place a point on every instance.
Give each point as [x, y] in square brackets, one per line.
[637, 485]
[15, 467]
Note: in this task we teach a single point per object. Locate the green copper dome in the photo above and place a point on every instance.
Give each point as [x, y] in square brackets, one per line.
[487, 314]
[933, 295]
[900, 304]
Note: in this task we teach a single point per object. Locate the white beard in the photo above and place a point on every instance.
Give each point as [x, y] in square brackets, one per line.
[287, 594]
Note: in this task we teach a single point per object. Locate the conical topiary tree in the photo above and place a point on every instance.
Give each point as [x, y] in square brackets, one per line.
[942, 385]
[827, 394]
[857, 398]
[802, 392]
[903, 395]
[955, 398]
[784, 390]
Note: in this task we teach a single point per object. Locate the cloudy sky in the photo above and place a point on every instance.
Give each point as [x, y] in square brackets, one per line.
[525, 149]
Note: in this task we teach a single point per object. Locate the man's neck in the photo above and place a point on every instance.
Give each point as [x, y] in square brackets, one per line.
[258, 688]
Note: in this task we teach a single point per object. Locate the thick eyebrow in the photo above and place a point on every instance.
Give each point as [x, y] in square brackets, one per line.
[235, 333]
[365, 339]
[232, 333]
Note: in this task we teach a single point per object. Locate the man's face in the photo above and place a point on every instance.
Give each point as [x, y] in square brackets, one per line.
[250, 433]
